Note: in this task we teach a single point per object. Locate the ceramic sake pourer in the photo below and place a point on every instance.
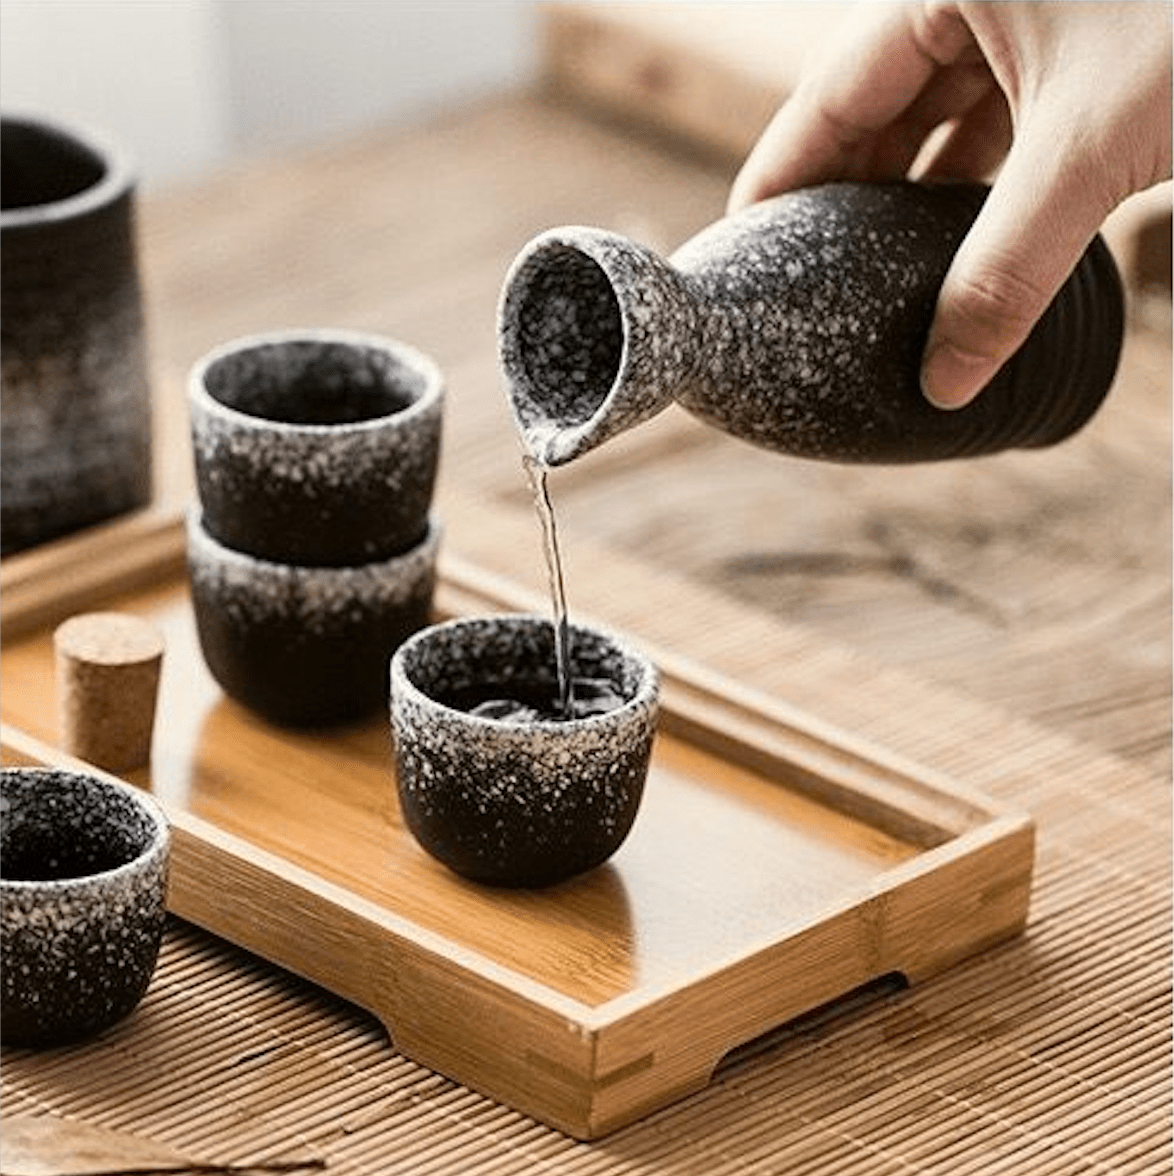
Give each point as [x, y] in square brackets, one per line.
[530, 801]
[303, 646]
[83, 887]
[797, 324]
[76, 427]
[316, 447]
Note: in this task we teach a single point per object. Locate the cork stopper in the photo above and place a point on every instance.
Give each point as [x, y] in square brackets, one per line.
[107, 668]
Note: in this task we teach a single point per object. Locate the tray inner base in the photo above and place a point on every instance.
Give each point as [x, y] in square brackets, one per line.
[719, 859]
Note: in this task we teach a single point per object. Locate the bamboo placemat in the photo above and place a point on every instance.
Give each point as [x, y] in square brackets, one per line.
[1047, 1055]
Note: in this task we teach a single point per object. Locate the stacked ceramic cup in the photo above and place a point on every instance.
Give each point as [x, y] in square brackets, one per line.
[312, 549]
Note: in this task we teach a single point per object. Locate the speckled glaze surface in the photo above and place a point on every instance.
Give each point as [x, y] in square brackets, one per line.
[517, 804]
[303, 646]
[82, 903]
[797, 324]
[76, 426]
[316, 447]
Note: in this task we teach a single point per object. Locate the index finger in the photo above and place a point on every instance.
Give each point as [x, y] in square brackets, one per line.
[828, 128]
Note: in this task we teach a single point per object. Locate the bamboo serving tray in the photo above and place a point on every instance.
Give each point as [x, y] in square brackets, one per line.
[775, 865]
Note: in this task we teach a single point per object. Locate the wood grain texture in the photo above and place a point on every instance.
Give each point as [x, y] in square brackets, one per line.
[1037, 582]
[685, 69]
[1047, 1055]
[775, 867]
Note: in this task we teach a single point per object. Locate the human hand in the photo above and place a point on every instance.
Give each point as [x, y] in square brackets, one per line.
[1073, 97]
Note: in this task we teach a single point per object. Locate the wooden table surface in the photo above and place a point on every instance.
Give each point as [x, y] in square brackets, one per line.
[1005, 621]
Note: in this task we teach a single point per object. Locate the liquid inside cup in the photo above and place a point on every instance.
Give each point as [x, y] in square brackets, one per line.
[591, 696]
[508, 672]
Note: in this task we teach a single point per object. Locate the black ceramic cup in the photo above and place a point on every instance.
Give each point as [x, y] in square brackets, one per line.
[527, 802]
[316, 447]
[303, 646]
[83, 887]
[76, 426]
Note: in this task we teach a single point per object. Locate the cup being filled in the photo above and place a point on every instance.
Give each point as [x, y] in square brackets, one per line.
[494, 779]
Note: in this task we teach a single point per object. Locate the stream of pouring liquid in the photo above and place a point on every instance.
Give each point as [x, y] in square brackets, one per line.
[536, 471]
[581, 699]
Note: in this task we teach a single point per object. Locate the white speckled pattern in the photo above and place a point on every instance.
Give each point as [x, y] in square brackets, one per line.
[313, 598]
[316, 447]
[596, 333]
[306, 644]
[82, 902]
[797, 324]
[520, 804]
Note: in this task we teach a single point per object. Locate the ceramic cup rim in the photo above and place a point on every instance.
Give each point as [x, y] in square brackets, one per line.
[119, 174]
[157, 847]
[200, 537]
[203, 401]
[645, 695]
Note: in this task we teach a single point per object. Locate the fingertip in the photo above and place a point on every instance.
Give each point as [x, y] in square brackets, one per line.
[738, 197]
[752, 183]
[951, 379]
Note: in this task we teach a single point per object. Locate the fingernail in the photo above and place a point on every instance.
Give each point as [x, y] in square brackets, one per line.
[950, 378]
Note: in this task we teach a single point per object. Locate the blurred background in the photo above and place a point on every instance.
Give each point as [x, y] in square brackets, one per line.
[191, 85]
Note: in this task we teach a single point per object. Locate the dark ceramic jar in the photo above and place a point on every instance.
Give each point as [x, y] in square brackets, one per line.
[83, 885]
[797, 324]
[303, 646]
[316, 447]
[527, 802]
[76, 427]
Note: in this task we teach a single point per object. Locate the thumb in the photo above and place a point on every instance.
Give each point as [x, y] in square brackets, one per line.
[1035, 225]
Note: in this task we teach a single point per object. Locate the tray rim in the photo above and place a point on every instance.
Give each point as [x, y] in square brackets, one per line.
[590, 1017]
[944, 823]
[187, 827]
[138, 550]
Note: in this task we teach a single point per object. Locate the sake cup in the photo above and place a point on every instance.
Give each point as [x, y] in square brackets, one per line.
[83, 885]
[316, 447]
[535, 799]
[305, 646]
